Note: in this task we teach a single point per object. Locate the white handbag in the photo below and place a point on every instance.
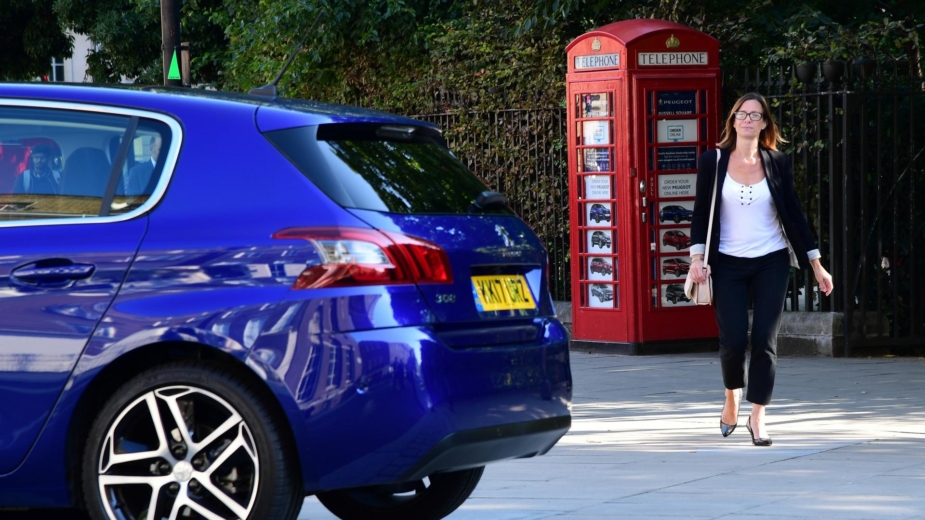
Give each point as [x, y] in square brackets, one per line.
[702, 293]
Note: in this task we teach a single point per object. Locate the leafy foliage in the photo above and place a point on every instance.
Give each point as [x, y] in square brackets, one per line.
[31, 36]
[128, 38]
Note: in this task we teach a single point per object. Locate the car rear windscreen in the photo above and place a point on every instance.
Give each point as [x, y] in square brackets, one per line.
[394, 168]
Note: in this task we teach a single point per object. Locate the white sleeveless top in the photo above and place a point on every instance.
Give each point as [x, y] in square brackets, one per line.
[750, 227]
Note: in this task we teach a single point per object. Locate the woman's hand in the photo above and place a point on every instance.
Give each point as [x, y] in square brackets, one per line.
[823, 278]
[696, 272]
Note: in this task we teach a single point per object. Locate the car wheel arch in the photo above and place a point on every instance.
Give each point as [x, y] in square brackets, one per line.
[122, 369]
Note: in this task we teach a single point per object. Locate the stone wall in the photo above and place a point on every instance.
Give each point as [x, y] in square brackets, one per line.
[801, 333]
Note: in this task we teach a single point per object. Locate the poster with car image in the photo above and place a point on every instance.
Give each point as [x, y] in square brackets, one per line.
[677, 212]
[673, 240]
[673, 296]
[674, 267]
[598, 214]
[601, 241]
[601, 296]
[602, 268]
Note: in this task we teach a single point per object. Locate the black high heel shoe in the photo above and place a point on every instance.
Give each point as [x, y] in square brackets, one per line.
[757, 441]
[727, 429]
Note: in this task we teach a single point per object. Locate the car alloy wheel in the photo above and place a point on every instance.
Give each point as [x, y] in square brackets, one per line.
[677, 219]
[186, 448]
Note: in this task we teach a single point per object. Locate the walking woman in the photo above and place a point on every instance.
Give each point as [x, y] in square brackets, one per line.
[757, 213]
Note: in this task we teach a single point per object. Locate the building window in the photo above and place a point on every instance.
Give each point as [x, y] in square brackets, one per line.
[57, 69]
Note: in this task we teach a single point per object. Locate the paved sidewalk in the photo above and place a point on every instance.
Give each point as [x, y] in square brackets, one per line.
[849, 442]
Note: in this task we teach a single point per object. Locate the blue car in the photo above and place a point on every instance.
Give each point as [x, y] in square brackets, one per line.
[213, 305]
[599, 212]
[676, 214]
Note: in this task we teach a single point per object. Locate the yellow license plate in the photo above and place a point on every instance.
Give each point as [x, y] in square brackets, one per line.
[503, 292]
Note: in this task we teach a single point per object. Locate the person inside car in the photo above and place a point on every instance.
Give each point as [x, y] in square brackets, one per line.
[139, 177]
[40, 178]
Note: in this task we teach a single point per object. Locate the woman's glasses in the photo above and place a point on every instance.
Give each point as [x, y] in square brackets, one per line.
[754, 116]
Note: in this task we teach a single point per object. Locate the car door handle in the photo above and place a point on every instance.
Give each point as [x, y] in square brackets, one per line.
[38, 273]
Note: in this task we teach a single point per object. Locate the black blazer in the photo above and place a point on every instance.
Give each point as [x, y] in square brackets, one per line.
[780, 181]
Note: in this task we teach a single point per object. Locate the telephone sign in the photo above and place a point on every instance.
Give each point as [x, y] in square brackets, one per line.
[644, 103]
[596, 62]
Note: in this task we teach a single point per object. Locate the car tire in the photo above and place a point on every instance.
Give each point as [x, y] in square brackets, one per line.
[424, 501]
[677, 219]
[229, 458]
[677, 247]
[677, 272]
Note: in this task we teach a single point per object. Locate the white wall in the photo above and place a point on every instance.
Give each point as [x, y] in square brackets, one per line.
[75, 67]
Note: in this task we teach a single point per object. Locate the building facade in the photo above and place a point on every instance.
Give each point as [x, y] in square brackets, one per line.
[73, 69]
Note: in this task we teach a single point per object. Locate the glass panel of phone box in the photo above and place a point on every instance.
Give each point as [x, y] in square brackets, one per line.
[676, 134]
[598, 253]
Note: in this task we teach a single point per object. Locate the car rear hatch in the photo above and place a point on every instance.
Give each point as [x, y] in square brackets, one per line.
[402, 180]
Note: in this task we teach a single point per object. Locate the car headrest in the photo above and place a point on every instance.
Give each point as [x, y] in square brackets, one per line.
[86, 173]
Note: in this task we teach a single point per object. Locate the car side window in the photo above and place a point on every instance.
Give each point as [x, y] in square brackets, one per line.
[62, 163]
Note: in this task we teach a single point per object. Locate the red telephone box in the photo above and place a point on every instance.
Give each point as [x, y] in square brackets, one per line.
[643, 104]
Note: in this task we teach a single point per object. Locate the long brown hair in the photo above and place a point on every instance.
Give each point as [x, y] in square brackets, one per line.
[769, 137]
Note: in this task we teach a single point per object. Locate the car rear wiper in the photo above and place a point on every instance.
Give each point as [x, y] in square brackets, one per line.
[488, 200]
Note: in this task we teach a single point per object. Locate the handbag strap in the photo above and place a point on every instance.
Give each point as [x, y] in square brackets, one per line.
[706, 253]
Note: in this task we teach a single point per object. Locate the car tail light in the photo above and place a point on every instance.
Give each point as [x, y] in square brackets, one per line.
[355, 256]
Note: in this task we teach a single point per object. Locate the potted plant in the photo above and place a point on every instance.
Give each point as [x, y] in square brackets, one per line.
[833, 70]
[805, 47]
[842, 45]
[863, 67]
[810, 50]
[876, 40]
[806, 72]
[800, 49]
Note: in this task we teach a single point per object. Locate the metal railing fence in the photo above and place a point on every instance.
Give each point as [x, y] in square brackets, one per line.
[856, 144]
[521, 153]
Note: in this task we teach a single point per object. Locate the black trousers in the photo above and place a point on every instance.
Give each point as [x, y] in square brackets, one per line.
[735, 281]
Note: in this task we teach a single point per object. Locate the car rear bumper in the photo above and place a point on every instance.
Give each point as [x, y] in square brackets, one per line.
[418, 400]
[473, 448]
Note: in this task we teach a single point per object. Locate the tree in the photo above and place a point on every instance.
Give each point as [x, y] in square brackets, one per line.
[393, 54]
[750, 36]
[30, 36]
[128, 35]
[357, 49]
